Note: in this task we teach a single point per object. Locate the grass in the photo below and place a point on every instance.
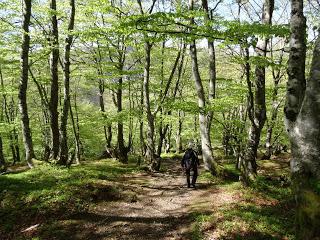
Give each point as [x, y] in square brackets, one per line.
[48, 191]
[264, 211]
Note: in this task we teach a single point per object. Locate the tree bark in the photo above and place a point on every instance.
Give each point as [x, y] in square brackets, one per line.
[54, 100]
[302, 118]
[23, 85]
[150, 151]
[122, 149]
[258, 109]
[63, 153]
[212, 66]
[207, 154]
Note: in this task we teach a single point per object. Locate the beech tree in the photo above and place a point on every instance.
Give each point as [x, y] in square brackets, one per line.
[23, 85]
[54, 96]
[302, 118]
[63, 153]
[204, 125]
[257, 102]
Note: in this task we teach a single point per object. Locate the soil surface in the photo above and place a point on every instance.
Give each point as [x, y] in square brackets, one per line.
[159, 206]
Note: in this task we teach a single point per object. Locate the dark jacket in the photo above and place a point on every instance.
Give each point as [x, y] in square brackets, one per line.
[190, 154]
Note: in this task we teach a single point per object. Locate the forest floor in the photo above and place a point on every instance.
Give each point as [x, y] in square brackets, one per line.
[107, 200]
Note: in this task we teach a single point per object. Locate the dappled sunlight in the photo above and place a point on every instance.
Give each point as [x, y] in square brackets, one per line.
[108, 200]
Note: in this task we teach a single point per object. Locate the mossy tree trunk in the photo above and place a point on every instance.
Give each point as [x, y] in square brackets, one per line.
[302, 117]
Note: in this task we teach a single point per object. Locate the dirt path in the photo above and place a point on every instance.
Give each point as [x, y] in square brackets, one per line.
[160, 207]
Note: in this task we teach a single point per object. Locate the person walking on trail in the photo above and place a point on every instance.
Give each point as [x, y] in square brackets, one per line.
[190, 162]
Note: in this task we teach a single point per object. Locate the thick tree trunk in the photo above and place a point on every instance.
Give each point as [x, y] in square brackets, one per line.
[302, 115]
[304, 135]
[23, 85]
[207, 154]
[54, 100]
[63, 153]
[258, 109]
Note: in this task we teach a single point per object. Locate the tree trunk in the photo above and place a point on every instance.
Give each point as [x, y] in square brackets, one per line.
[150, 151]
[277, 76]
[10, 117]
[212, 66]
[207, 154]
[268, 153]
[168, 139]
[162, 134]
[46, 117]
[76, 128]
[109, 135]
[122, 149]
[54, 100]
[302, 118]
[163, 94]
[258, 109]
[76, 136]
[178, 134]
[2, 159]
[23, 85]
[63, 153]
[14, 147]
[141, 125]
[179, 130]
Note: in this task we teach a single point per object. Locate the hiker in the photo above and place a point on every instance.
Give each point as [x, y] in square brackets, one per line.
[190, 161]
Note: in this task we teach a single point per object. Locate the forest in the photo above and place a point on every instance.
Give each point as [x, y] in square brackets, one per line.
[107, 106]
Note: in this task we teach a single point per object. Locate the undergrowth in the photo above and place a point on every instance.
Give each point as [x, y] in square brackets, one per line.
[264, 211]
[48, 191]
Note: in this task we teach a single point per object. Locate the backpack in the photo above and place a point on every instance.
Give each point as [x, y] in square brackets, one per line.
[190, 159]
